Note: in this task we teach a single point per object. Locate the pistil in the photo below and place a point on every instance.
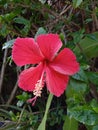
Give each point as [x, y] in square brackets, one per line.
[38, 90]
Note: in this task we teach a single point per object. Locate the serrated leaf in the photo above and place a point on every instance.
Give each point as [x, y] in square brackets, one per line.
[70, 124]
[84, 114]
[8, 44]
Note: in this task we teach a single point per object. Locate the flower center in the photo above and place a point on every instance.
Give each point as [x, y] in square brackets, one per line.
[38, 90]
[46, 62]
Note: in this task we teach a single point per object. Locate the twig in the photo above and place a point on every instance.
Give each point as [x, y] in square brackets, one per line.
[3, 69]
[49, 11]
[59, 17]
[94, 17]
[94, 91]
[12, 94]
[95, 20]
[21, 114]
[66, 9]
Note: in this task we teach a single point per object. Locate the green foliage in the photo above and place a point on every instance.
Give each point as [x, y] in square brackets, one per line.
[41, 30]
[78, 108]
[24, 23]
[93, 77]
[89, 45]
[94, 105]
[70, 124]
[76, 3]
[22, 119]
[42, 1]
[22, 99]
[95, 127]
[84, 114]
[8, 44]
[77, 36]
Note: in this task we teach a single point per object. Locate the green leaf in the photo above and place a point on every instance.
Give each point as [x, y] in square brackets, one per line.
[78, 35]
[84, 114]
[94, 105]
[42, 126]
[93, 77]
[20, 103]
[41, 30]
[4, 31]
[79, 87]
[81, 76]
[70, 124]
[8, 44]
[21, 20]
[95, 127]
[89, 46]
[91, 36]
[62, 37]
[76, 89]
[23, 97]
[88, 20]
[25, 30]
[9, 16]
[26, 25]
[76, 3]
[42, 1]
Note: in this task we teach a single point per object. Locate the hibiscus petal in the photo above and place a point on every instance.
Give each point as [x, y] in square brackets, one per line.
[28, 78]
[49, 44]
[26, 51]
[56, 82]
[65, 62]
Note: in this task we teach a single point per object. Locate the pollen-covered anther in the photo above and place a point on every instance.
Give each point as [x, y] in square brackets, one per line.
[38, 88]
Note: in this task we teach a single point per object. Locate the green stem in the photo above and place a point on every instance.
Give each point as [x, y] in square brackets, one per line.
[42, 126]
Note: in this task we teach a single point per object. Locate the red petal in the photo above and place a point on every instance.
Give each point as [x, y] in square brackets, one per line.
[49, 44]
[28, 78]
[26, 51]
[65, 62]
[56, 82]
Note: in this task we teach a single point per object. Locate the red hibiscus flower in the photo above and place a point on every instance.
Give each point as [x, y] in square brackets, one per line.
[52, 67]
